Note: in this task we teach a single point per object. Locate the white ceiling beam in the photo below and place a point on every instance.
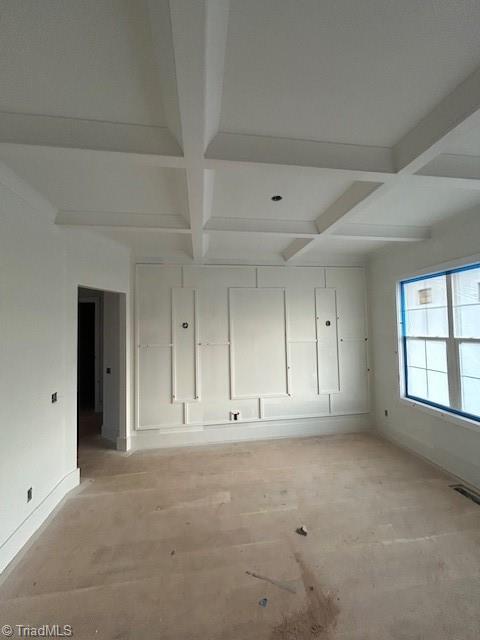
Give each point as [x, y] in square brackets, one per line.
[386, 233]
[199, 49]
[357, 195]
[363, 163]
[209, 183]
[189, 44]
[294, 228]
[161, 30]
[216, 42]
[172, 224]
[189, 30]
[154, 222]
[454, 166]
[94, 135]
[226, 148]
[296, 248]
[460, 110]
[196, 198]
[434, 182]
[26, 192]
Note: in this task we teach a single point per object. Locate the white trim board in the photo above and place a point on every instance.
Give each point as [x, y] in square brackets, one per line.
[37, 517]
[247, 431]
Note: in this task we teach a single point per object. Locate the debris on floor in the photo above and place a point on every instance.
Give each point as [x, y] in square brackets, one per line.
[263, 602]
[318, 619]
[172, 552]
[277, 583]
[302, 530]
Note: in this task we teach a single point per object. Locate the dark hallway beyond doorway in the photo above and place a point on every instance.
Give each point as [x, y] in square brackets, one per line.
[86, 356]
[101, 360]
[89, 422]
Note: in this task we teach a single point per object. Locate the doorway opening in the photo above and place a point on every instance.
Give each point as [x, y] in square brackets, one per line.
[100, 368]
[89, 363]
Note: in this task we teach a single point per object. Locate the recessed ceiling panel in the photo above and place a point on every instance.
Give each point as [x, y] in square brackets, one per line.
[245, 247]
[88, 59]
[339, 251]
[416, 205]
[466, 141]
[246, 192]
[361, 72]
[77, 180]
[151, 244]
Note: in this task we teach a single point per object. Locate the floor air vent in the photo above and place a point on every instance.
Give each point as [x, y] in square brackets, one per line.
[465, 491]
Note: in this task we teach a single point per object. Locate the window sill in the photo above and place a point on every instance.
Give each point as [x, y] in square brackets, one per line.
[461, 421]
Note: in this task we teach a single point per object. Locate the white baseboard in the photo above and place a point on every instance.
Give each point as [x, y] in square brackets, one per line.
[29, 526]
[198, 435]
[461, 472]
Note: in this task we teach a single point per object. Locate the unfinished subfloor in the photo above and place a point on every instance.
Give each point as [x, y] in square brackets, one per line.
[164, 544]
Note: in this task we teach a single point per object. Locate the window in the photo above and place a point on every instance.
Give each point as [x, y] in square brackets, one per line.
[440, 318]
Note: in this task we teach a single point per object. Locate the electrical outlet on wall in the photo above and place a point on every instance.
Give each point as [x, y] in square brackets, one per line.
[54, 397]
[386, 413]
[235, 415]
[29, 494]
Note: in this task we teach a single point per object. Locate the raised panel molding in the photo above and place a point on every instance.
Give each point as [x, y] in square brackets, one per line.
[327, 340]
[257, 345]
[185, 345]
[258, 342]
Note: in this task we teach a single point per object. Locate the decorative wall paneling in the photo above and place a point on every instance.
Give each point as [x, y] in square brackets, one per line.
[258, 339]
[268, 342]
[185, 375]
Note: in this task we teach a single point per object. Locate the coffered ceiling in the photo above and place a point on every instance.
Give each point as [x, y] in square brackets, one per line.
[169, 125]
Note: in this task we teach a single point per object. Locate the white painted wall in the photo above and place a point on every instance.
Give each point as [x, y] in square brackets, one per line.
[41, 268]
[33, 431]
[256, 342]
[95, 262]
[112, 388]
[449, 443]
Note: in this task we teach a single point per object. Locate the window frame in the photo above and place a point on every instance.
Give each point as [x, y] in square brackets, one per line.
[453, 345]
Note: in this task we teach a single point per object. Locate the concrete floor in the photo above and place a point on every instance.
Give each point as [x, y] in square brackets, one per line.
[159, 545]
